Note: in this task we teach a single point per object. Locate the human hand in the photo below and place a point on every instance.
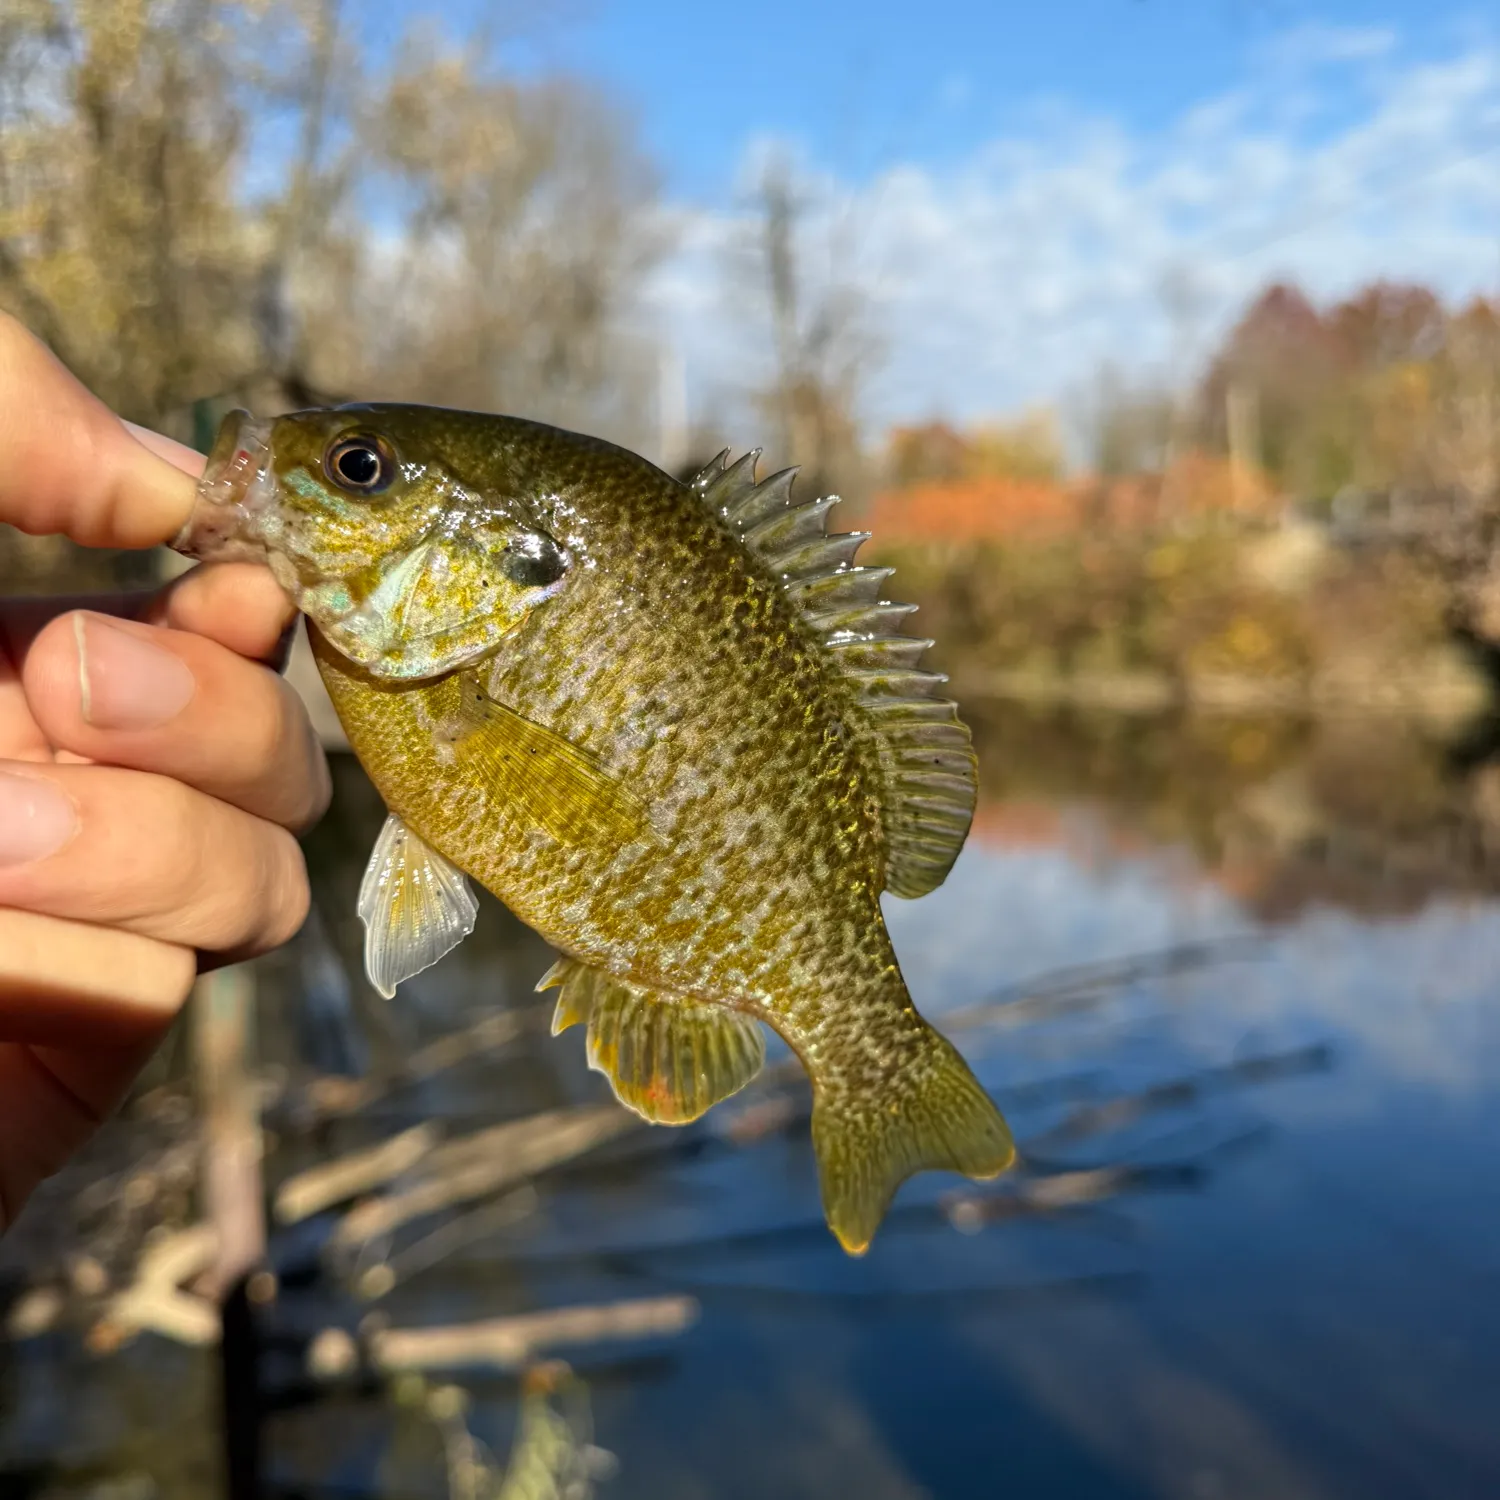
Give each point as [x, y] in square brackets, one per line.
[153, 772]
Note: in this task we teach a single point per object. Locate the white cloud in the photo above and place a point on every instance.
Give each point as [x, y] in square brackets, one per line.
[1316, 43]
[1009, 278]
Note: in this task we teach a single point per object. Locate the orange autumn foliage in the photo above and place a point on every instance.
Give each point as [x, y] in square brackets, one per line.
[999, 508]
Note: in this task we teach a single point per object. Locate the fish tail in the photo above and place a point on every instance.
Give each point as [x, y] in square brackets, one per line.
[929, 1114]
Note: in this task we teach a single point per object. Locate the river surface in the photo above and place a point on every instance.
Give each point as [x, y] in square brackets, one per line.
[1235, 984]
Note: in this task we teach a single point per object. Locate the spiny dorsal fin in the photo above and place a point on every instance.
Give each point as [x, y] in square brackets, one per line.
[667, 1058]
[925, 749]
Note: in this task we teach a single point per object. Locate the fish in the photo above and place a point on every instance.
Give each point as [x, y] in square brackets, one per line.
[673, 726]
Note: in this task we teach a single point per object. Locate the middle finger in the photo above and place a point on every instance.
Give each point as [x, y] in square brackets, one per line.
[128, 694]
[148, 854]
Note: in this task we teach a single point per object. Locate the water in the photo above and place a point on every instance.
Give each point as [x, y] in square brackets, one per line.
[1243, 973]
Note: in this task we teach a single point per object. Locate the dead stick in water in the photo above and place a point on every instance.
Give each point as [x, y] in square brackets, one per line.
[503, 1343]
[451, 1236]
[332, 1096]
[1080, 985]
[486, 1162]
[155, 1302]
[1042, 1195]
[310, 1192]
[1180, 1093]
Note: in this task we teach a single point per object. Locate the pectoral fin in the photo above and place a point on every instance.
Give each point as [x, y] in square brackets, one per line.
[561, 787]
[415, 905]
[668, 1059]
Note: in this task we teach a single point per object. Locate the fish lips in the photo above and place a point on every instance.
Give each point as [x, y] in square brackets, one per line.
[237, 488]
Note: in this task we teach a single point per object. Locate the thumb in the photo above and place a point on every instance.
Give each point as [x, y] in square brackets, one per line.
[69, 466]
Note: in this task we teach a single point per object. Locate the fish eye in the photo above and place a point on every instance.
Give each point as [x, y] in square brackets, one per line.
[534, 561]
[361, 463]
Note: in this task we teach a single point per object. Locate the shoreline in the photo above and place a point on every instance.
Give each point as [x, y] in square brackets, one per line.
[1443, 696]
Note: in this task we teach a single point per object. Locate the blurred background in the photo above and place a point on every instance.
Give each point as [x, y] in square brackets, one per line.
[1158, 345]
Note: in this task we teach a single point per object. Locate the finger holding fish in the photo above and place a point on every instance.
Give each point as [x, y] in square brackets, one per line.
[83, 1001]
[238, 605]
[72, 467]
[172, 702]
[148, 855]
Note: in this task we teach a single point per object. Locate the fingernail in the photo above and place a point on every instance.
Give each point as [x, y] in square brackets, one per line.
[36, 819]
[125, 682]
[179, 455]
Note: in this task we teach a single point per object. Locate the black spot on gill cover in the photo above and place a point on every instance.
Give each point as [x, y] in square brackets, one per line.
[535, 562]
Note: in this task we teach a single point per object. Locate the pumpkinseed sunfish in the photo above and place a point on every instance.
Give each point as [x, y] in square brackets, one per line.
[674, 727]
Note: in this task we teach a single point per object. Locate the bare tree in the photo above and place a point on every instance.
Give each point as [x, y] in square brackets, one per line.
[1130, 426]
[821, 343]
[121, 239]
[215, 199]
[504, 276]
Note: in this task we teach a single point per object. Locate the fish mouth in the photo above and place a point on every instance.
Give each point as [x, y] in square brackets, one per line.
[237, 488]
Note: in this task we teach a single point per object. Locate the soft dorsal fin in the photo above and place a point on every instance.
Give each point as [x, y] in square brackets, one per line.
[926, 753]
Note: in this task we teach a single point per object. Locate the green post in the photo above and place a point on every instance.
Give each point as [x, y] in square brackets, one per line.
[205, 423]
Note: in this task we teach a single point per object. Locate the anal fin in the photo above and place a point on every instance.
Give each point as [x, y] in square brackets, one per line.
[668, 1059]
[415, 904]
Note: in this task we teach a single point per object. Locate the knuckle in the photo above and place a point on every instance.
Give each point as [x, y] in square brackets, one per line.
[169, 876]
[286, 894]
[205, 878]
[269, 734]
[252, 901]
[319, 792]
[292, 763]
[198, 873]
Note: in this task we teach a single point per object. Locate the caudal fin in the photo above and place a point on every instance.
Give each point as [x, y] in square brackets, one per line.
[931, 1115]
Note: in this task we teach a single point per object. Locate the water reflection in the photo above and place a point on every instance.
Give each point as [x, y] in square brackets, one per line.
[1374, 814]
[1233, 982]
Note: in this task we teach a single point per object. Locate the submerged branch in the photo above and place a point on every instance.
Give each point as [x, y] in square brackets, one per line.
[501, 1343]
[320, 1187]
[1062, 989]
[485, 1163]
[1116, 1114]
[335, 1096]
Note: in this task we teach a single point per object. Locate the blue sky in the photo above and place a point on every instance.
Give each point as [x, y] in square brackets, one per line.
[863, 85]
[1022, 178]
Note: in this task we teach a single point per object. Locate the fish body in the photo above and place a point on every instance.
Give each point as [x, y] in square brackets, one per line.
[670, 725]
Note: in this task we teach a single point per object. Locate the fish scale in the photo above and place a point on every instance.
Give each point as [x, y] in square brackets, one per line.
[692, 760]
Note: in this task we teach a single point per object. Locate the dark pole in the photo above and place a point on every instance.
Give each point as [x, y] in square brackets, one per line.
[239, 1375]
[234, 1200]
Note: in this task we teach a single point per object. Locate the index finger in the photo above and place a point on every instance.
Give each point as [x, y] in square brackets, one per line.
[69, 466]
